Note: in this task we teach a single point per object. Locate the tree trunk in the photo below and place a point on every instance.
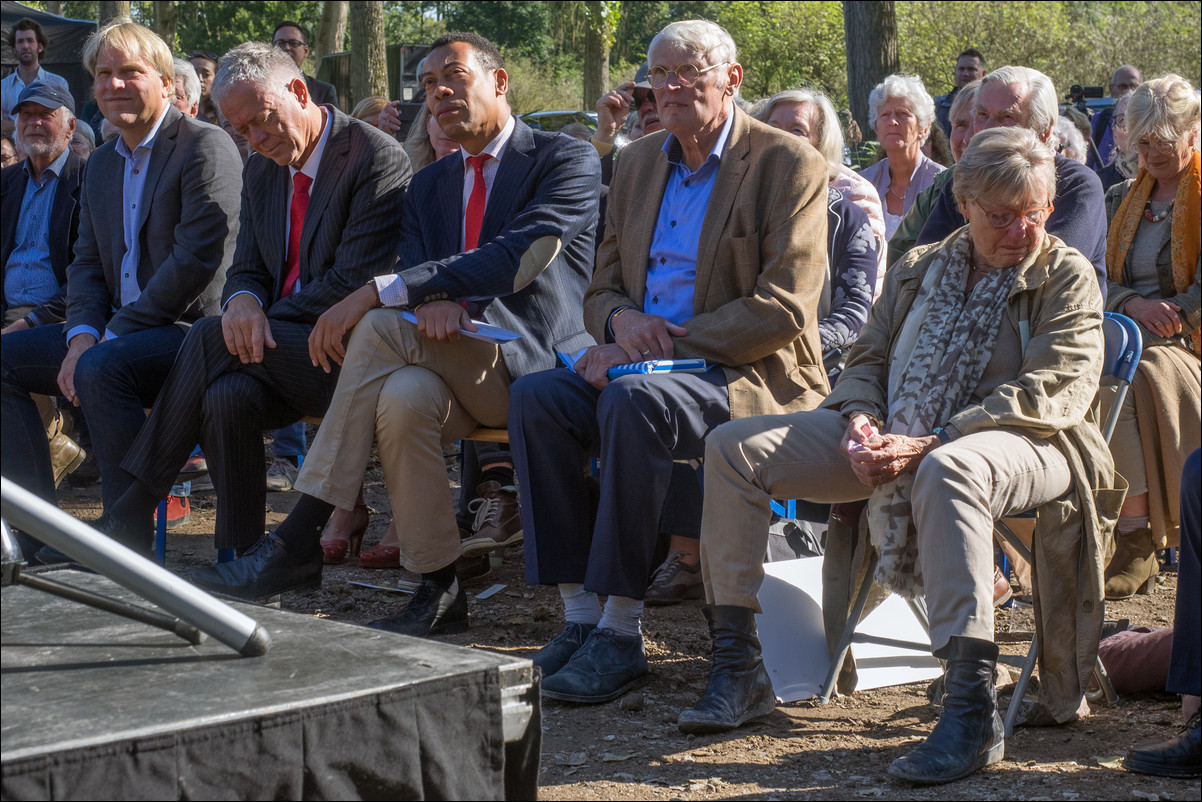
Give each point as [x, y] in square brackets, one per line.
[109, 9]
[164, 22]
[870, 30]
[54, 7]
[331, 33]
[600, 23]
[369, 63]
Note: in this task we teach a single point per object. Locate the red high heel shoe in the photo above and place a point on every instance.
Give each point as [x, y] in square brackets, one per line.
[335, 550]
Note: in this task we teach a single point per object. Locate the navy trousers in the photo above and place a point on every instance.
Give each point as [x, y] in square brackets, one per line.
[212, 398]
[637, 426]
[115, 380]
[1185, 670]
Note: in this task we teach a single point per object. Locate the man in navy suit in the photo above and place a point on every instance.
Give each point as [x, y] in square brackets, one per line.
[320, 202]
[159, 212]
[501, 230]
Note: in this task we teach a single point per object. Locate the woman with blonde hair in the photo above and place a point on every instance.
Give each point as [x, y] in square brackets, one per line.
[1153, 262]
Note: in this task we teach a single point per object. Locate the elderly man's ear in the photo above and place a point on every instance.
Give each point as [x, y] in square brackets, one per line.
[300, 89]
[734, 79]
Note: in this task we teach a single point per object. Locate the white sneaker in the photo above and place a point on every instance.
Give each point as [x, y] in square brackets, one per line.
[281, 475]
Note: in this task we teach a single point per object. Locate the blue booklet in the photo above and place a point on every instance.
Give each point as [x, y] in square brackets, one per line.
[650, 366]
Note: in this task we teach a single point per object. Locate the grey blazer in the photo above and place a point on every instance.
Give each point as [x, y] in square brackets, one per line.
[351, 225]
[186, 230]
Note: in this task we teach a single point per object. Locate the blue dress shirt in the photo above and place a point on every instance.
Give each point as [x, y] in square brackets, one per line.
[29, 278]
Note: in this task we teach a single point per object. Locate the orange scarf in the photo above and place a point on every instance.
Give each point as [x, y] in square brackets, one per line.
[1185, 235]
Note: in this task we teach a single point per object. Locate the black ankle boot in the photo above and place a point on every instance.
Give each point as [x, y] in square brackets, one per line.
[970, 733]
[738, 688]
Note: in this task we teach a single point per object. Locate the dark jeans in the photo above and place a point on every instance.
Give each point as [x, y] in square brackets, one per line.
[115, 380]
[637, 426]
[1185, 671]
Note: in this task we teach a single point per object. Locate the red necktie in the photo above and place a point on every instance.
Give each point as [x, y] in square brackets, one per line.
[296, 223]
[475, 203]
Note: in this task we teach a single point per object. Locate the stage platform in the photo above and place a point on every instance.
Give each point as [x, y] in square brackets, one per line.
[94, 706]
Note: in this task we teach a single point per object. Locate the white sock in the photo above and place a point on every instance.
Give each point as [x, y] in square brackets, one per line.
[622, 615]
[579, 606]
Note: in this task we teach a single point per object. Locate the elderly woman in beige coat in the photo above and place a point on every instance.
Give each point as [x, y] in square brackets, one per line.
[968, 397]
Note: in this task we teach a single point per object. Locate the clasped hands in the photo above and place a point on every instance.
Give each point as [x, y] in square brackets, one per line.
[638, 337]
[877, 459]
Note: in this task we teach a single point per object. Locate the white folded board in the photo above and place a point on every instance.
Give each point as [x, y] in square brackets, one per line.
[794, 643]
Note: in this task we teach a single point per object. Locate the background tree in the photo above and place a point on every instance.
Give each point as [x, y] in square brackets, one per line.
[331, 33]
[369, 64]
[870, 33]
[164, 21]
[108, 9]
[602, 22]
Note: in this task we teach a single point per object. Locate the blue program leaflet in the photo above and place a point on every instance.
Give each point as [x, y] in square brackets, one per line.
[650, 366]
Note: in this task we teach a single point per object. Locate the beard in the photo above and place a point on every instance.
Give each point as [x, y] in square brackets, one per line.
[42, 147]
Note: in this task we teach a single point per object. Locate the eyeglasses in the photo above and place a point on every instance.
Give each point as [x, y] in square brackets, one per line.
[289, 44]
[686, 74]
[1160, 146]
[1004, 219]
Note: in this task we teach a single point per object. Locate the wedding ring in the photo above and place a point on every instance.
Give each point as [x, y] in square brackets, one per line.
[646, 352]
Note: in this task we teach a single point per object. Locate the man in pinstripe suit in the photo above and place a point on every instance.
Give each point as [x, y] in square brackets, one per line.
[505, 228]
[320, 205]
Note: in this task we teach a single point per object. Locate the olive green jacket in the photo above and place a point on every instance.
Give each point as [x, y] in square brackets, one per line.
[1056, 307]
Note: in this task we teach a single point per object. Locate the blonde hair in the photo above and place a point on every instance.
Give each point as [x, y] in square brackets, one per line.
[1007, 165]
[134, 40]
[417, 143]
[369, 107]
[1165, 107]
[965, 97]
[828, 133]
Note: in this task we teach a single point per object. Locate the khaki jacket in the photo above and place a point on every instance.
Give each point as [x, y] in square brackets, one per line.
[1055, 300]
[761, 263]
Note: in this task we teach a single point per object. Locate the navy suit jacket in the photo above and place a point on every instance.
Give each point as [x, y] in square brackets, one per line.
[535, 261]
[1079, 218]
[350, 232]
[186, 229]
[64, 228]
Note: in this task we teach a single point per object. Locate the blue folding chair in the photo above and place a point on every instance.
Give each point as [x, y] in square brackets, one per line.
[1124, 346]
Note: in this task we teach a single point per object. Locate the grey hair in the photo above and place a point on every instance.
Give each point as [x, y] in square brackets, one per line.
[82, 127]
[1007, 165]
[185, 70]
[1166, 107]
[700, 38]
[1072, 143]
[1041, 95]
[417, 143]
[965, 97]
[258, 63]
[909, 88]
[828, 134]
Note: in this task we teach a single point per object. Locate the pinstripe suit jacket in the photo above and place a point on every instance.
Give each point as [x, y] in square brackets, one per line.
[761, 263]
[186, 230]
[531, 270]
[350, 232]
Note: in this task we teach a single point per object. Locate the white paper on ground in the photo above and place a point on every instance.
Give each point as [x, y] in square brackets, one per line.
[794, 643]
[485, 332]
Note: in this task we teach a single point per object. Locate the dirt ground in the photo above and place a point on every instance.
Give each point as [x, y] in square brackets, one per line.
[631, 749]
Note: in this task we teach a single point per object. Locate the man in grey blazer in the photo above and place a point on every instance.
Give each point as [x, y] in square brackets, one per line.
[321, 199]
[158, 220]
[503, 231]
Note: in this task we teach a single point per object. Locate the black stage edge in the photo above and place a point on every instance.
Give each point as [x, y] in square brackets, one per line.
[93, 706]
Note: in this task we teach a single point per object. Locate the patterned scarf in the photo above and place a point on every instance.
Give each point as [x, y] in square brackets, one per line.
[1185, 234]
[943, 348]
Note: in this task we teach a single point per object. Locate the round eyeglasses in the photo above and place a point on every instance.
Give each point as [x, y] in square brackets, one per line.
[686, 74]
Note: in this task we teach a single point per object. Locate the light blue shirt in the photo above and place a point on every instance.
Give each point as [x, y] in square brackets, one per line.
[12, 86]
[133, 185]
[29, 278]
[672, 261]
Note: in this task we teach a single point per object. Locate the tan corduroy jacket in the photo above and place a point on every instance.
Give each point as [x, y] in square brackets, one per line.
[1056, 299]
[761, 263]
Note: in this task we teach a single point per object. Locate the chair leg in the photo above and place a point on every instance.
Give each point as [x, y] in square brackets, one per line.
[1020, 687]
[849, 631]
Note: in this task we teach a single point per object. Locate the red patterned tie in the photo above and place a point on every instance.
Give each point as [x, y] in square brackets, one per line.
[475, 203]
[296, 223]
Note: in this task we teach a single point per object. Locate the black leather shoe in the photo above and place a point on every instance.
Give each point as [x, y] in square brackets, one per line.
[739, 688]
[267, 569]
[431, 611]
[970, 734]
[559, 650]
[1180, 757]
[605, 667]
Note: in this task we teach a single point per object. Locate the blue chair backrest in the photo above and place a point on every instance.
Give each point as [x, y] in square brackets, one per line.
[1124, 346]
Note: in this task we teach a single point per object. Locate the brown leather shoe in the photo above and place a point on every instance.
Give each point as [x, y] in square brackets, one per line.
[498, 518]
[65, 453]
[1001, 587]
[674, 581]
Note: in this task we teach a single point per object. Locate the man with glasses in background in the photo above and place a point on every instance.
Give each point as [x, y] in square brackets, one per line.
[1124, 81]
[293, 40]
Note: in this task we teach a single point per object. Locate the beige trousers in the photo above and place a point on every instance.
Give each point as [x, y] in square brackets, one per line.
[960, 488]
[411, 394]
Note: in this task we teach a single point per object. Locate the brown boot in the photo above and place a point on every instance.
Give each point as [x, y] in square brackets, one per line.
[1134, 566]
[65, 453]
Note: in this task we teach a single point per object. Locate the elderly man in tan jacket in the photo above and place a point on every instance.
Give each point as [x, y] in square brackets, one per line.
[714, 250]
